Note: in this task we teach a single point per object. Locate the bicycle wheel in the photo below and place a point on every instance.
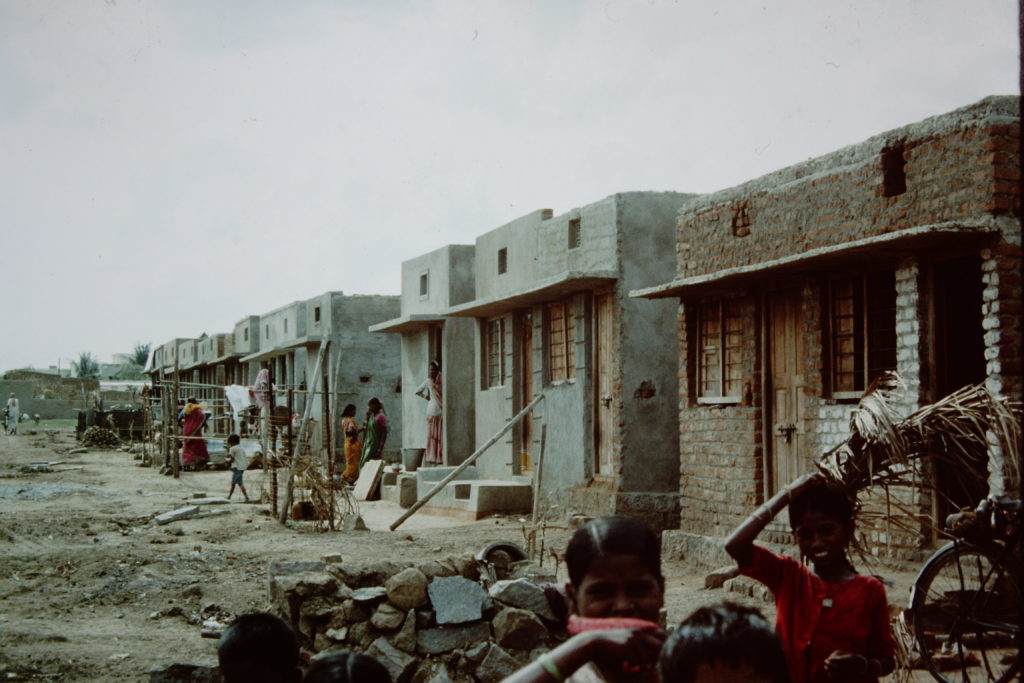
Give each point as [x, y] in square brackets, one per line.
[965, 609]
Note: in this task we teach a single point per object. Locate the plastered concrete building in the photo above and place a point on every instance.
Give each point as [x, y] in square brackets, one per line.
[553, 316]
[365, 365]
[796, 289]
[287, 340]
[431, 284]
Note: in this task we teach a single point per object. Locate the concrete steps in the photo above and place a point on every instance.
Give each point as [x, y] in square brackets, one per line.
[467, 497]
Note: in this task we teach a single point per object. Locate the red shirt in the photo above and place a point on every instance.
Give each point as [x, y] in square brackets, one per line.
[814, 618]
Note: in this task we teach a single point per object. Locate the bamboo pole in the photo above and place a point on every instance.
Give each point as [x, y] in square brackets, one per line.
[326, 431]
[290, 484]
[175, 459]
[469, 461]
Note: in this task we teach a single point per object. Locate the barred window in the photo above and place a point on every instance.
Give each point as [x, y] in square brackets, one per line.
[561, 352]
[720, 353]
[862, 321]
[495, 345]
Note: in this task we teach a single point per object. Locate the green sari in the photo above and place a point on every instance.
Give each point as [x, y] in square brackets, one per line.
[374, 437]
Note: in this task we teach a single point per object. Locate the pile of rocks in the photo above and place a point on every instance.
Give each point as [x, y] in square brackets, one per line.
[432, 622]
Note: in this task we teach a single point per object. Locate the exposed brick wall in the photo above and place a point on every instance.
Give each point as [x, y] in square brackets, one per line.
[960, 168]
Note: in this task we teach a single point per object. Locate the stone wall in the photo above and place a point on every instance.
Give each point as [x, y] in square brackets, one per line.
[435, 621]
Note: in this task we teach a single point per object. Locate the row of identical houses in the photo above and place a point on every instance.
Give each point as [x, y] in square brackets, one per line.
[286, 341]
[697, 352]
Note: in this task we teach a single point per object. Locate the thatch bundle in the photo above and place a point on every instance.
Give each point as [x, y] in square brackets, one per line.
[970, 429]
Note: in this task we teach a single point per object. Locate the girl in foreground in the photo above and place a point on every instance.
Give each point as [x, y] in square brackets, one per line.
[833, 622]
[615, 593]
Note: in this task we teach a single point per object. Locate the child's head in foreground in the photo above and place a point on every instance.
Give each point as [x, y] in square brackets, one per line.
[823, 519]
[346, 667]
[259, 648]
[234, 440]
[614, 568]
[724, 642]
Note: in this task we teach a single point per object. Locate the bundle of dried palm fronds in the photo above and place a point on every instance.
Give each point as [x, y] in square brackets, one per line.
[969, 429]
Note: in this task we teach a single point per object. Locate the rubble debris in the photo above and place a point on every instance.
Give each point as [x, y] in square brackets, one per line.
[100, 437]
[442, 620]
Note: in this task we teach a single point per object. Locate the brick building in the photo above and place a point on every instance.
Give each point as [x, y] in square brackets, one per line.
[797, 288]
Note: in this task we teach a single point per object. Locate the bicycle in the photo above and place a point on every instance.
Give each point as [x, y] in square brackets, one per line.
[965, 605]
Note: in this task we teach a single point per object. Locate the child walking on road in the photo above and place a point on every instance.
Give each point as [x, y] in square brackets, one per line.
[833, 622]
[238, 460]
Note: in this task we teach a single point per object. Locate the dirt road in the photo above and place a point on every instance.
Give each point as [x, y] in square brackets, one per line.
[93, 590]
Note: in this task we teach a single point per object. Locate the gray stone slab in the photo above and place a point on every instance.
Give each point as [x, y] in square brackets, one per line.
[176, 515]
[523, 594]
[497, 665]
[433, 641]
[456, 600]
[371, 594]
[399, 664]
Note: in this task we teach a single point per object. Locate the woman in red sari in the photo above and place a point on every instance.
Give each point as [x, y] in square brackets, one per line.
[193, 453]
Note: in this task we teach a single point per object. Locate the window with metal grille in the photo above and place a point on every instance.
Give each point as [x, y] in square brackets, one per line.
[862, 334]
[495, 331]
[720, 352]
[575, 233]
[561, 351]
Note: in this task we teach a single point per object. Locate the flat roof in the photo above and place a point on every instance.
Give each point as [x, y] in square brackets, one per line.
[568, 282]
[407, 323]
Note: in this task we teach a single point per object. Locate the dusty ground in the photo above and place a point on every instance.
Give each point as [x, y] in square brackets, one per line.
[87, 579]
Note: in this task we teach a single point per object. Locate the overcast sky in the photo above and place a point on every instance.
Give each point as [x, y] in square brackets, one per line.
[169, 167]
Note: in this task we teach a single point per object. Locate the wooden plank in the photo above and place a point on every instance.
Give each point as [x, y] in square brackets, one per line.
[369, 480]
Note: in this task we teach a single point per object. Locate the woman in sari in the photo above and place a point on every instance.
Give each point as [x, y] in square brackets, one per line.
[193, 453]
[375, 432]
[431, 390]
[353, 444]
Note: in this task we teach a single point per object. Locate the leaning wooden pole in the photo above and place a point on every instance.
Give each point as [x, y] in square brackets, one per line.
[469, 461]
[290, 483]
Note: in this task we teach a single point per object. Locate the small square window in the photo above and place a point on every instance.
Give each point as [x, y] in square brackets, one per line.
[575, 234]
[316, 314]
[502, 260]
[424, 284]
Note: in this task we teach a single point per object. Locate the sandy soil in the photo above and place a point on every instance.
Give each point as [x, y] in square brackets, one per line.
[93, 590]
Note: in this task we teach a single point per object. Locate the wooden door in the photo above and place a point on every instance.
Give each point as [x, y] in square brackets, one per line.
[604, 403]
[525, 380]
[786, 373]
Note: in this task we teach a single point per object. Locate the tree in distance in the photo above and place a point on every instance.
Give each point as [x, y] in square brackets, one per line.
[86, 365]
